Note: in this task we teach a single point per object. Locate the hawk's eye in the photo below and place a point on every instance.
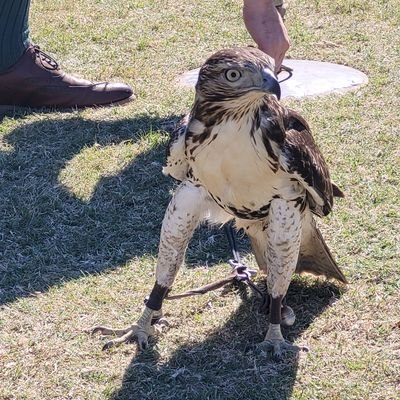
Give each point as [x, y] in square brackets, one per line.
[232, 75]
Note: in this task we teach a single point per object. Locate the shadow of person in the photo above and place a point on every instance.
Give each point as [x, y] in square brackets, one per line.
[227, 364]
[48, 234]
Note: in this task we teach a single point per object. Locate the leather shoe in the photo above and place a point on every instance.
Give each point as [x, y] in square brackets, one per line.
[36, 80]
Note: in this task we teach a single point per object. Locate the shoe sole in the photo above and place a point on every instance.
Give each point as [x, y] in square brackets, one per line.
[8, 108]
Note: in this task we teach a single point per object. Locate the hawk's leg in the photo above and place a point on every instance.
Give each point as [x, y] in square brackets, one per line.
[183, 214]
[277, 248]
[258, 242]
[287, 314]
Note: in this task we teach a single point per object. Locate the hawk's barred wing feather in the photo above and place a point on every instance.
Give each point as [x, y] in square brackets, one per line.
[301, 157]
[315, 257]
[176, 164]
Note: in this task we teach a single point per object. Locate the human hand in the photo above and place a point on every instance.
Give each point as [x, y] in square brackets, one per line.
[266, 27]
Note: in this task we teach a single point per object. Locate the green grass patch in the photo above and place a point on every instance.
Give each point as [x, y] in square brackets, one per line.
[82, 198]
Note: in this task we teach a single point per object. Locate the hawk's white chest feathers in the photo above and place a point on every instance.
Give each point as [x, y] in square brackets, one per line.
[233, 166]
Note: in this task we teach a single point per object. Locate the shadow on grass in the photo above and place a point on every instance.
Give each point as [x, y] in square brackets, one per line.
[48, 235]
[227, 365]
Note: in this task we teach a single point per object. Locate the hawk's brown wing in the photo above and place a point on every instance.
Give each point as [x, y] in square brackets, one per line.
[301, 157]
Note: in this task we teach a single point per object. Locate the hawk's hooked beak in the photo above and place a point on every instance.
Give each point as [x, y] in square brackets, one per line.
[270, 83]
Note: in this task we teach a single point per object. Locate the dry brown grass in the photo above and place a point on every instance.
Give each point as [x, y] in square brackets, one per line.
[82, 198]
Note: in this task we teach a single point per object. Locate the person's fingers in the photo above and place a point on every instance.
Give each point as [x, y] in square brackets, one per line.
[265, 25]
[279, 61]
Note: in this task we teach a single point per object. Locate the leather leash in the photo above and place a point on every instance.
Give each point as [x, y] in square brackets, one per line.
[240, 273]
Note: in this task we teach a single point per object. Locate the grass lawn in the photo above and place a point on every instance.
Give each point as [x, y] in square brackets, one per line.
[82, 198]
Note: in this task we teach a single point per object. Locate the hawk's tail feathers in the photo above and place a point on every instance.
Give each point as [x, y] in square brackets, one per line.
[337, 192]
[315, 257]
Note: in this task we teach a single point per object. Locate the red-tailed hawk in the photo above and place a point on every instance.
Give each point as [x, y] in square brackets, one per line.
[243, 156]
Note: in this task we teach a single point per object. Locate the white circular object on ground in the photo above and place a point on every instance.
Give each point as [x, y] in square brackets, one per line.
[308, 78]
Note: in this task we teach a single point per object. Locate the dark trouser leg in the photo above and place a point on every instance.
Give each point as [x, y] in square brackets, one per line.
[14, 31]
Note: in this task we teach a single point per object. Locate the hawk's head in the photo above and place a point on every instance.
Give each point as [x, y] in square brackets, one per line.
[231, 73]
